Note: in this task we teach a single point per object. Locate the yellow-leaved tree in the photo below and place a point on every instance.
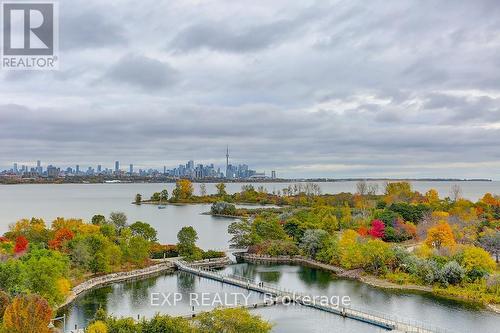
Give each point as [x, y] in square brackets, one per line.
[97, 327]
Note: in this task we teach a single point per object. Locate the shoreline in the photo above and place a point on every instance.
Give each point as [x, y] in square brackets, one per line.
[112, 278]
[366, 279]
[158, 267]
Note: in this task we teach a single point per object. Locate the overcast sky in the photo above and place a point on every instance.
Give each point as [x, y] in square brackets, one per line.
[389, 88]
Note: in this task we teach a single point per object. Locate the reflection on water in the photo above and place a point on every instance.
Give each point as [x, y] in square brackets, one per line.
[133, 298]
[454, 315]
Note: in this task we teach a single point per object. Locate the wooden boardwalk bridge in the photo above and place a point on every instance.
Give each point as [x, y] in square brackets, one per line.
[281, 295]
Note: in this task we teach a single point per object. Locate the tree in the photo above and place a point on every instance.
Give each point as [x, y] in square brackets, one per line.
[21, 245]
[452, 273]
[267, 228]
[232, 321]
[61, 237]
[156, 196]
[138, 198]
[187, 238]
[27, 314]
[203, 189]
[79, 252]
[377, 229]
[138, 250]
[377, 255]
[350, 251]
[223, 208]
[98, 219]
[346, 219]
[398, 192]
[164, 195]
[477, 262]
[241, 232]
[34, 230]
[43, 270]
[166, 324]
[97, 327]
[294, 229]
[118, 219]
[432, 196]
[455, 192]
[362, 187]
[221, 190]
[490, 241]
[183, 189]
[144, 230]
[101, 253]
[4, 302]
[440, 236]
[312, 241]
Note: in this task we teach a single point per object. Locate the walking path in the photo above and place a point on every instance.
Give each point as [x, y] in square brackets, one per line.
[388, 322]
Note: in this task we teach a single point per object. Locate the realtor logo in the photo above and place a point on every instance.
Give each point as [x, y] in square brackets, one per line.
[30, 35]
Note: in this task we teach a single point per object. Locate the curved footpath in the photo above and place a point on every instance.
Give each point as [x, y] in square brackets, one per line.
[165, 265]
[353, 274]
[116, 277]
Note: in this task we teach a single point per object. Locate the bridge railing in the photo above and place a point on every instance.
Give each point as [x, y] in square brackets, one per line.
[373, 315]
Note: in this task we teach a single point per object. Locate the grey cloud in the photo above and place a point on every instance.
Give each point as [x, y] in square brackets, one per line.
[90, 29]
[217, 36]
[241, 37]
[286, 84]
[144, 72]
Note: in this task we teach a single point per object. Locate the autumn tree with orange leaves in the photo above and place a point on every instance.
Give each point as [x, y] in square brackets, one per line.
[27, 314]
[440, 236]
[62, 235]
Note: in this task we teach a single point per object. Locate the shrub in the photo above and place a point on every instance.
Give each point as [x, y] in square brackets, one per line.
[97, 327]
[213, 254]
[477, 262]
[278, 248]
[223, 208]
[377, 229]
[159, 251]
[452, 273]
[399, 277]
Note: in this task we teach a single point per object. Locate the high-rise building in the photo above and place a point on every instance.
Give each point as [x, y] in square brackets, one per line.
[77, 169]
[131, 169]
[39, 169]
[15, 168]
[273, 174]
[117, 166]
[99, 168]
[52, 171]
[227, 162]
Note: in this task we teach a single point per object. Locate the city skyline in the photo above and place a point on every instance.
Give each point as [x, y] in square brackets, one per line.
[188, 170]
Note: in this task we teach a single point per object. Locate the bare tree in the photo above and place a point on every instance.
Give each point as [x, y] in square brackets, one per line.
[203, 189]
[362, 187]
[427, 222]
[455, 192]
[372, 189]
[490, 241]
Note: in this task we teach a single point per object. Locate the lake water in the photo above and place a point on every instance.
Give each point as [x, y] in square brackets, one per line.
[132, 298]
[49, 201]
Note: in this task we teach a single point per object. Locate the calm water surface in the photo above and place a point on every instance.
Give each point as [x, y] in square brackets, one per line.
[84, 200]
[132, 298]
